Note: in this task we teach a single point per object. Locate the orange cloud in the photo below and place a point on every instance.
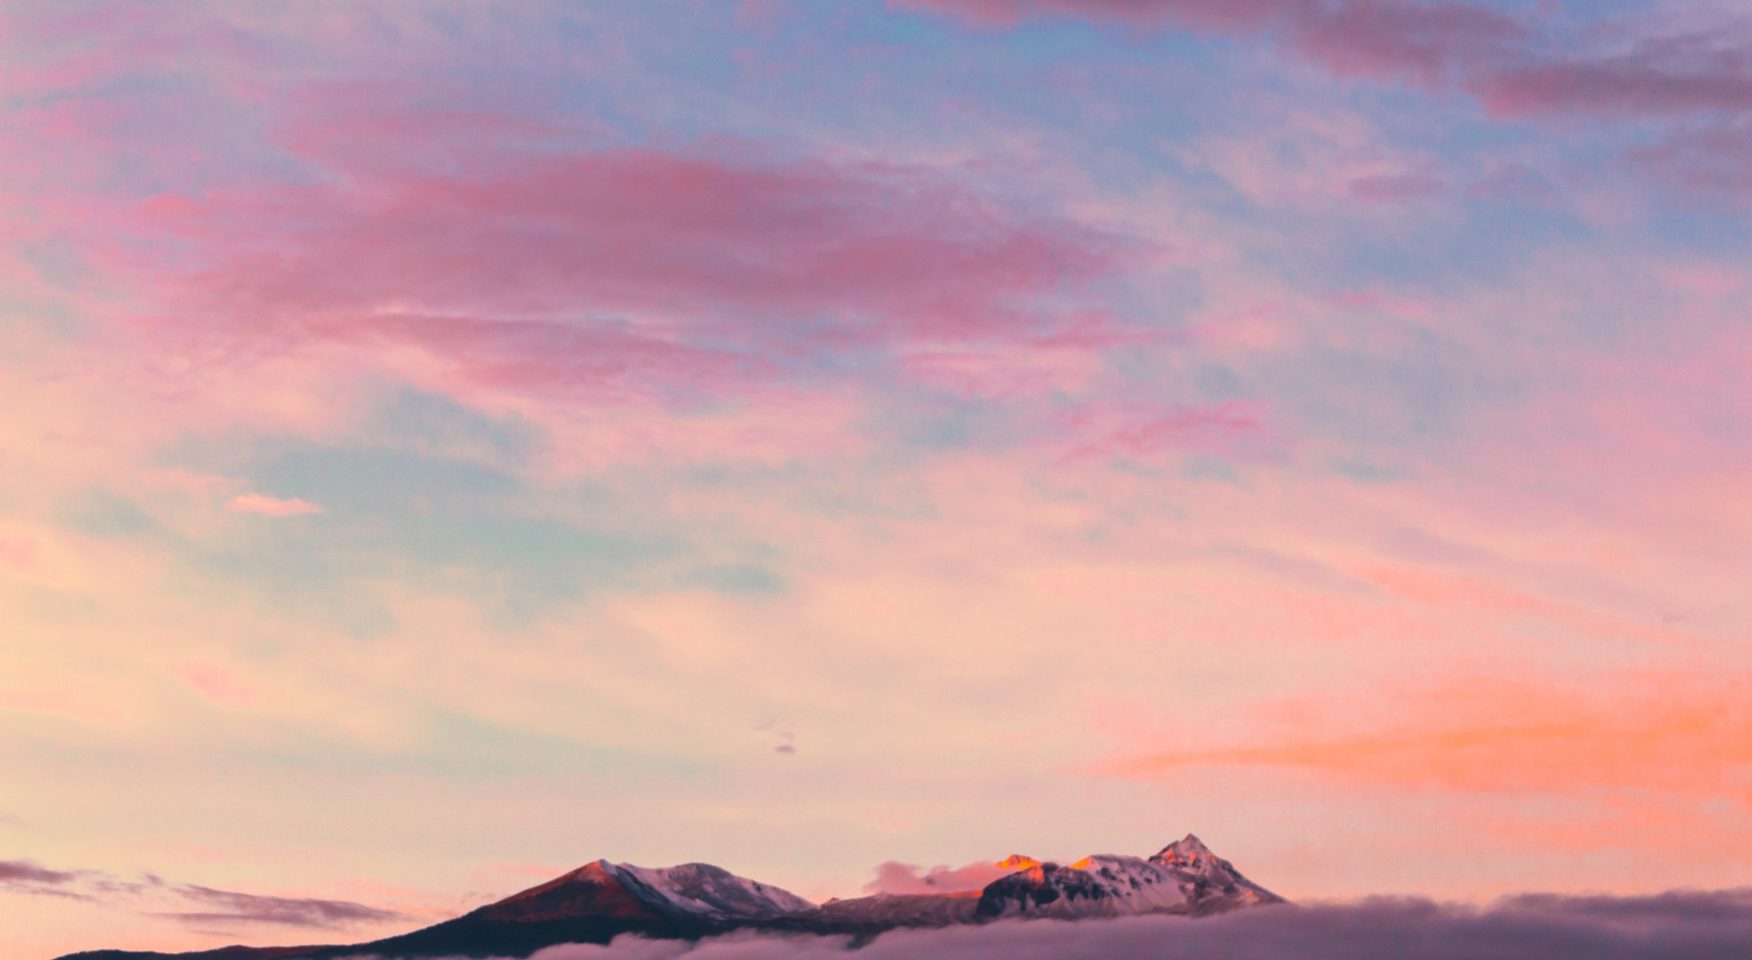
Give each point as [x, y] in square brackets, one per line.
[1655, 733]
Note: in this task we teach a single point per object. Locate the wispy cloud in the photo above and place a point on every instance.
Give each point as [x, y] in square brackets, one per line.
[263, 505]
[191, 904]
[1136, 432]
[1654, 734]
[1648, 76]
[230, 906]
[615, 271]
[24, 876]
[1535, 68]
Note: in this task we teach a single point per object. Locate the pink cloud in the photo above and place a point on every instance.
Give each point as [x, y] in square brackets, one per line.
[216, 684]
[619, 269]
[1393, 304]
[712, 230]
[266, 506]
[1655, 77]
[1366, 38]
[1197, 13]
[1496, 56]
[1002, 370]
[695, 286]
[1066, 360]
[894, 877]
[1395, 188]
[1711, 161]
[1140, 432]
[1428, 42]
[74, 49]
[547, 358]
[18, 554]
[1255, 328]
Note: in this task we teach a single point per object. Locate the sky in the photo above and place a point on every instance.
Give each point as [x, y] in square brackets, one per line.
[444, 443]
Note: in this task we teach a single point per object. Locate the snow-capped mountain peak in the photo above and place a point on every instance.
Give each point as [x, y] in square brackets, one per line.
[1104, 885]
[1209, 878]
[1189, 851]
[702, 890]
[1184, 877]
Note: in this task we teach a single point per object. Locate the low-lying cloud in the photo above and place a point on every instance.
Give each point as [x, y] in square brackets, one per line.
[1689, 925]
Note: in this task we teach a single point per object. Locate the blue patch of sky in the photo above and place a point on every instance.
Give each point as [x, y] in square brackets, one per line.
[436, 493]
[400, 513]
[454, 745]
[60, 268]
[108, 515]
[1389, 408]
[912, 422]
[419, 420]
[1706, 227]
[735, 579]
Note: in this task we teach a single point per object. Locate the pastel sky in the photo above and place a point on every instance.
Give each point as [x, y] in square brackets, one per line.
[445, 443]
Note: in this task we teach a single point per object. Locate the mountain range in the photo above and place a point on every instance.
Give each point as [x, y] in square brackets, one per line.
[602, 900]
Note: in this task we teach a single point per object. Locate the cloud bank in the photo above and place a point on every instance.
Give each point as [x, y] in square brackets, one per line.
[1692, 925]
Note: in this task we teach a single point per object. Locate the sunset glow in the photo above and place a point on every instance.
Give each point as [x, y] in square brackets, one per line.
[445, 443]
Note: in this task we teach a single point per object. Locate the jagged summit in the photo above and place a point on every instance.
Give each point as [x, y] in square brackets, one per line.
[601, 900]
[1188, 850]
[1184, 877]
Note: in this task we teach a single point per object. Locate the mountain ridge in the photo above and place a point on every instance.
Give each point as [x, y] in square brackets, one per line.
[600, 900]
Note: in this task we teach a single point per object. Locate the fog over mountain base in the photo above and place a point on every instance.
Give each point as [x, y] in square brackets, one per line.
[1688, 925]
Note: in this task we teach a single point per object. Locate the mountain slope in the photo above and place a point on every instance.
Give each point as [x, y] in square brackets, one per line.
[602, 900]
[1184, 877]
[1211, 883]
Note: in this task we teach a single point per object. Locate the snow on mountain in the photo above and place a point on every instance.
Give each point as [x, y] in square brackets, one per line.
[1142, 886]
[1097, 886]
[1208, 879]
[691, 892]
[1184, 877]
[702, 890]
